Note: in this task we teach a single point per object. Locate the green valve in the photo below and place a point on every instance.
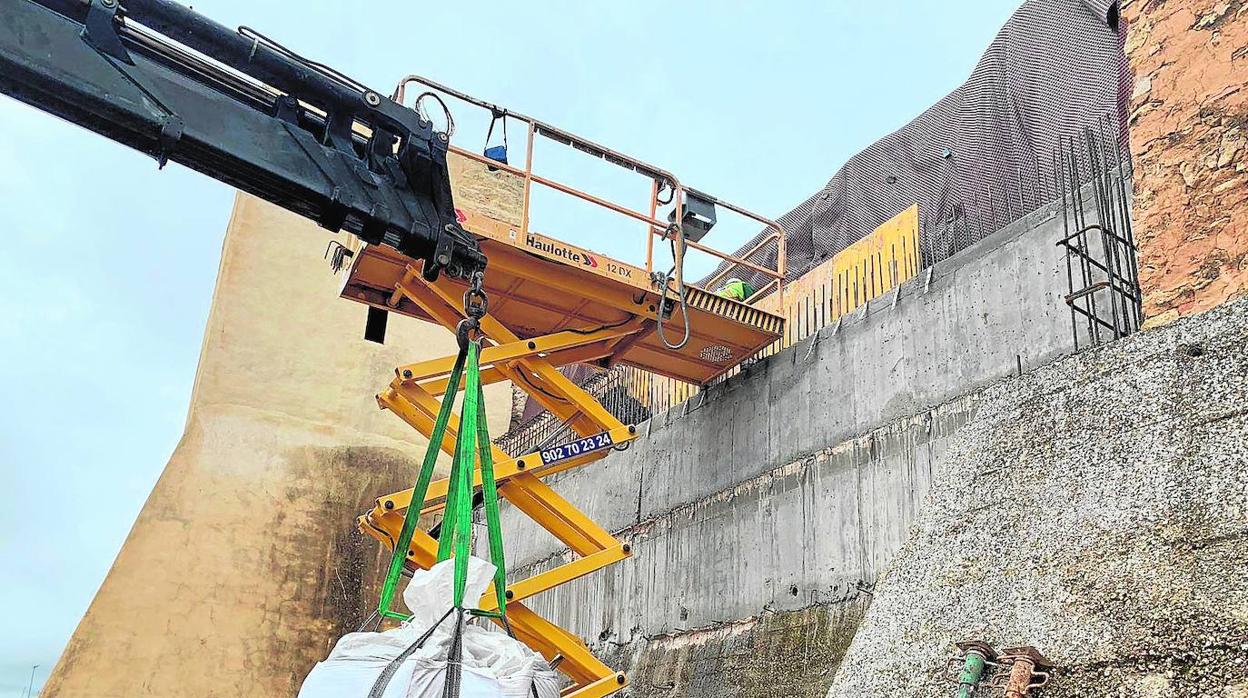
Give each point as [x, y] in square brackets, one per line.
[975, 657]
[972, 672]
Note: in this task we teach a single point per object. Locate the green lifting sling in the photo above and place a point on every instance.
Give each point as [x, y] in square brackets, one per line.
[472, 447]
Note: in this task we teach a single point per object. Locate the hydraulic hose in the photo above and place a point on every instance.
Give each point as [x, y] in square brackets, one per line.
[675, 273]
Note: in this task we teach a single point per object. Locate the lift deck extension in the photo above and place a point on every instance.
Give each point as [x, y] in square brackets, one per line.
[539, 287]
[553, 304]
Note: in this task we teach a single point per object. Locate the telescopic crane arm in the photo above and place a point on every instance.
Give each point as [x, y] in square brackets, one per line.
[160, 78]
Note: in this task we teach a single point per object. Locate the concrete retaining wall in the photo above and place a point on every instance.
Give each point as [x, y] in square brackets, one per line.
[775, 499]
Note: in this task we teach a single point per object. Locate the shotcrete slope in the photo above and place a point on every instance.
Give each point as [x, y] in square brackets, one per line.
[1096, 508]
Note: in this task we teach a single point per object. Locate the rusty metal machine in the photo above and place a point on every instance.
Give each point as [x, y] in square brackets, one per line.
[1024, 669]
[1014, 672]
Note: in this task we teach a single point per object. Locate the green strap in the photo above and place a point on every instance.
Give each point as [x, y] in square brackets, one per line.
[456, 536]
[399, 555]
[455, 539]
[489, 493]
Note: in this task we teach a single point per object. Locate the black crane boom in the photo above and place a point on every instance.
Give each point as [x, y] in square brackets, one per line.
[241, 109]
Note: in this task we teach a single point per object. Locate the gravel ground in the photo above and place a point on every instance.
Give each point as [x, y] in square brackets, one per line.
[1097, 509]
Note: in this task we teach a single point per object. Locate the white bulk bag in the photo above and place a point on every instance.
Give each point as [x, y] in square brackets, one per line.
[494, 664]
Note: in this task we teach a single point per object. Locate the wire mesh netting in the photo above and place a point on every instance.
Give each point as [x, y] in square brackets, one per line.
[981, 158]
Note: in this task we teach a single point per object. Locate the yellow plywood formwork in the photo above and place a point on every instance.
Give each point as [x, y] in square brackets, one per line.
[862, 272]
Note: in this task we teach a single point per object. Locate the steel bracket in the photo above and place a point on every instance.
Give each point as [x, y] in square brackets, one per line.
[100, 30]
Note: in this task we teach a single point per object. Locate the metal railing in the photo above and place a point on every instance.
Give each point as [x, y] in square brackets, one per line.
[662, 182]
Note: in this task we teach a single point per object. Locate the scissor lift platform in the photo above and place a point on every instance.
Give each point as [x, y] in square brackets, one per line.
[539, 286]
[552, 304]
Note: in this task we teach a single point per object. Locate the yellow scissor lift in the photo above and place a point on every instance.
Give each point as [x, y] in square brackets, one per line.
[552, 304]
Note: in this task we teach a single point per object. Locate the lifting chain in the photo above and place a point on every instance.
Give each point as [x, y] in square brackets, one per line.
[476, 305]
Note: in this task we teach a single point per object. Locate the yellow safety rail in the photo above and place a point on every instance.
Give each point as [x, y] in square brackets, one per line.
[862, 272]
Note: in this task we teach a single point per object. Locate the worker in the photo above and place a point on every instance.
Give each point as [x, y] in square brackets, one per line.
[736, 289]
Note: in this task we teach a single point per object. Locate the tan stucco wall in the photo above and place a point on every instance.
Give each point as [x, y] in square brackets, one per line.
[1189, 139]
[244, 565]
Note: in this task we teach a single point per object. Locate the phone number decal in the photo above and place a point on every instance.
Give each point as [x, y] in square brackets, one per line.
[580, 447]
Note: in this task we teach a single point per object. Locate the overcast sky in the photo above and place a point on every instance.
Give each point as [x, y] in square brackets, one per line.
[108, 264]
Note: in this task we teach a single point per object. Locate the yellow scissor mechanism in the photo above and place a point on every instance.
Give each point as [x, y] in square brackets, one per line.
[554, 304]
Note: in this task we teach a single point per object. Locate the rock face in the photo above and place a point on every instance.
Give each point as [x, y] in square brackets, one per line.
[1095, 509]
[245, 565]
[1189, 138]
